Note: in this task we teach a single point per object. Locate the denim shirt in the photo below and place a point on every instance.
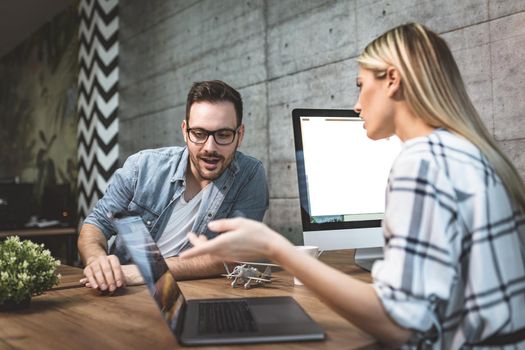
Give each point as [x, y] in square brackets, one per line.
[151, 181]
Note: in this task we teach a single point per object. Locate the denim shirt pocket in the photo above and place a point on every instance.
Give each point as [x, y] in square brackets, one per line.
[224, 209]
[148, 216]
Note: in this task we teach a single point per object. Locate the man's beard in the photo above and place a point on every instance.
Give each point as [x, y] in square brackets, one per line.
[212, 158]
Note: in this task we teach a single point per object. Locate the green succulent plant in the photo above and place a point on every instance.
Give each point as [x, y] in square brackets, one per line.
[26, 269]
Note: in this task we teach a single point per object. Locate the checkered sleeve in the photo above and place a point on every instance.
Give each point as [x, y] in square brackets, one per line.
[417, 271]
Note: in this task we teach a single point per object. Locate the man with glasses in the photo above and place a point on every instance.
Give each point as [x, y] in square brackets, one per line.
[177, 190]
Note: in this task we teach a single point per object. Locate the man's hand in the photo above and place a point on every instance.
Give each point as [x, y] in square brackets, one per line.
[104, 273]
[132, 276]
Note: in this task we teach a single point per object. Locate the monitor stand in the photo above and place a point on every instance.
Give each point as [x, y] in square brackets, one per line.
[365, 257]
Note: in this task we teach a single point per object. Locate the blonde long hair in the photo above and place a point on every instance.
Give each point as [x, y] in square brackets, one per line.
[435, 91]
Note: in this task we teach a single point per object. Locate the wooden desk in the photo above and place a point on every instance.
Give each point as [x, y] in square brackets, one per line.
[70, 277]
[79, 318]
[70, 233]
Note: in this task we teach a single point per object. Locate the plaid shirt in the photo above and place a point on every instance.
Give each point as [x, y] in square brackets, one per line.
[454, 265]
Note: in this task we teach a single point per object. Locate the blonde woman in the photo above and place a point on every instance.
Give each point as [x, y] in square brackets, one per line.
[453, 275]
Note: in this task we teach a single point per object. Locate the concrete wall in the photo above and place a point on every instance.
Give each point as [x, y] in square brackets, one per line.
[284, 54]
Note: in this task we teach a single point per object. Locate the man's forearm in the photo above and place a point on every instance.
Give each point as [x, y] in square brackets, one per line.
[182, 269]
[200, 267]
[91, 243]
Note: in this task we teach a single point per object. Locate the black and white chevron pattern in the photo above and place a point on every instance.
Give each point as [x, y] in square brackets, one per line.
[97, 100]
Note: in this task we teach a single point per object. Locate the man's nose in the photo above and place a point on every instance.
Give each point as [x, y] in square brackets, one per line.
[210, 143]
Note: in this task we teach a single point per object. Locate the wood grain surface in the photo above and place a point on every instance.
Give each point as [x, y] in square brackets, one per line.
[74, 317]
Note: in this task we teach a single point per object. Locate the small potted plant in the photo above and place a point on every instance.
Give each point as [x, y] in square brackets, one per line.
[26, 269]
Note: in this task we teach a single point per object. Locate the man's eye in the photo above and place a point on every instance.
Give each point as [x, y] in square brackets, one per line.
[199, 134]
[224, 134]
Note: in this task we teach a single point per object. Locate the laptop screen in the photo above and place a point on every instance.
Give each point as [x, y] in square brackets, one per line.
[154, 270]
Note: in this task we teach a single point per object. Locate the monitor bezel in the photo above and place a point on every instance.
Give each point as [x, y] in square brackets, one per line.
[306, 221]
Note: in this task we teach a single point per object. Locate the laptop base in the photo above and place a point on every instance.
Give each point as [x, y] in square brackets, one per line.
[279, 319]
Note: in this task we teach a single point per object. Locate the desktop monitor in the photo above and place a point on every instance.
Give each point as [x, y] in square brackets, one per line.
[342, 177]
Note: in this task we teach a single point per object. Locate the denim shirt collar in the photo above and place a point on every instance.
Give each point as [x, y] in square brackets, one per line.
[180, 173]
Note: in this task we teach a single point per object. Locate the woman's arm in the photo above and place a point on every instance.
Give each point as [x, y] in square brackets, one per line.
[354, 300]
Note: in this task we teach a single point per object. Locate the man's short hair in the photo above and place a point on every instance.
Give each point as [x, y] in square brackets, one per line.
[214, 91]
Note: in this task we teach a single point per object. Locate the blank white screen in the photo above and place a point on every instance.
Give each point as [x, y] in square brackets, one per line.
[346, 172]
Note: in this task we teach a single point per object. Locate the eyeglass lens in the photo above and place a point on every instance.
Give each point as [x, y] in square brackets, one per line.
[221, 136]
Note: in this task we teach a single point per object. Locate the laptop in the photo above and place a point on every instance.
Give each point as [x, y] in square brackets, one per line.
[213, 321]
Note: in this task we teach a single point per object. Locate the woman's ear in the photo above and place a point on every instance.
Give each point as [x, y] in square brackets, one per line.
[393, 79]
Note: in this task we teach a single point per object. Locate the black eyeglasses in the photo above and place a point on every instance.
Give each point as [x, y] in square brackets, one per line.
[222, 137]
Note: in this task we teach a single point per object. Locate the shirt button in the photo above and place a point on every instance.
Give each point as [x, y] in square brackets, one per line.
[148, 223]
[210, 215]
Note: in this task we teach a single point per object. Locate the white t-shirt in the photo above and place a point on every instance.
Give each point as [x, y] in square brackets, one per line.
[179, 225]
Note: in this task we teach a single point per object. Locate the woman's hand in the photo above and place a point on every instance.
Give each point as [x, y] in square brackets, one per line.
[240, 239]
